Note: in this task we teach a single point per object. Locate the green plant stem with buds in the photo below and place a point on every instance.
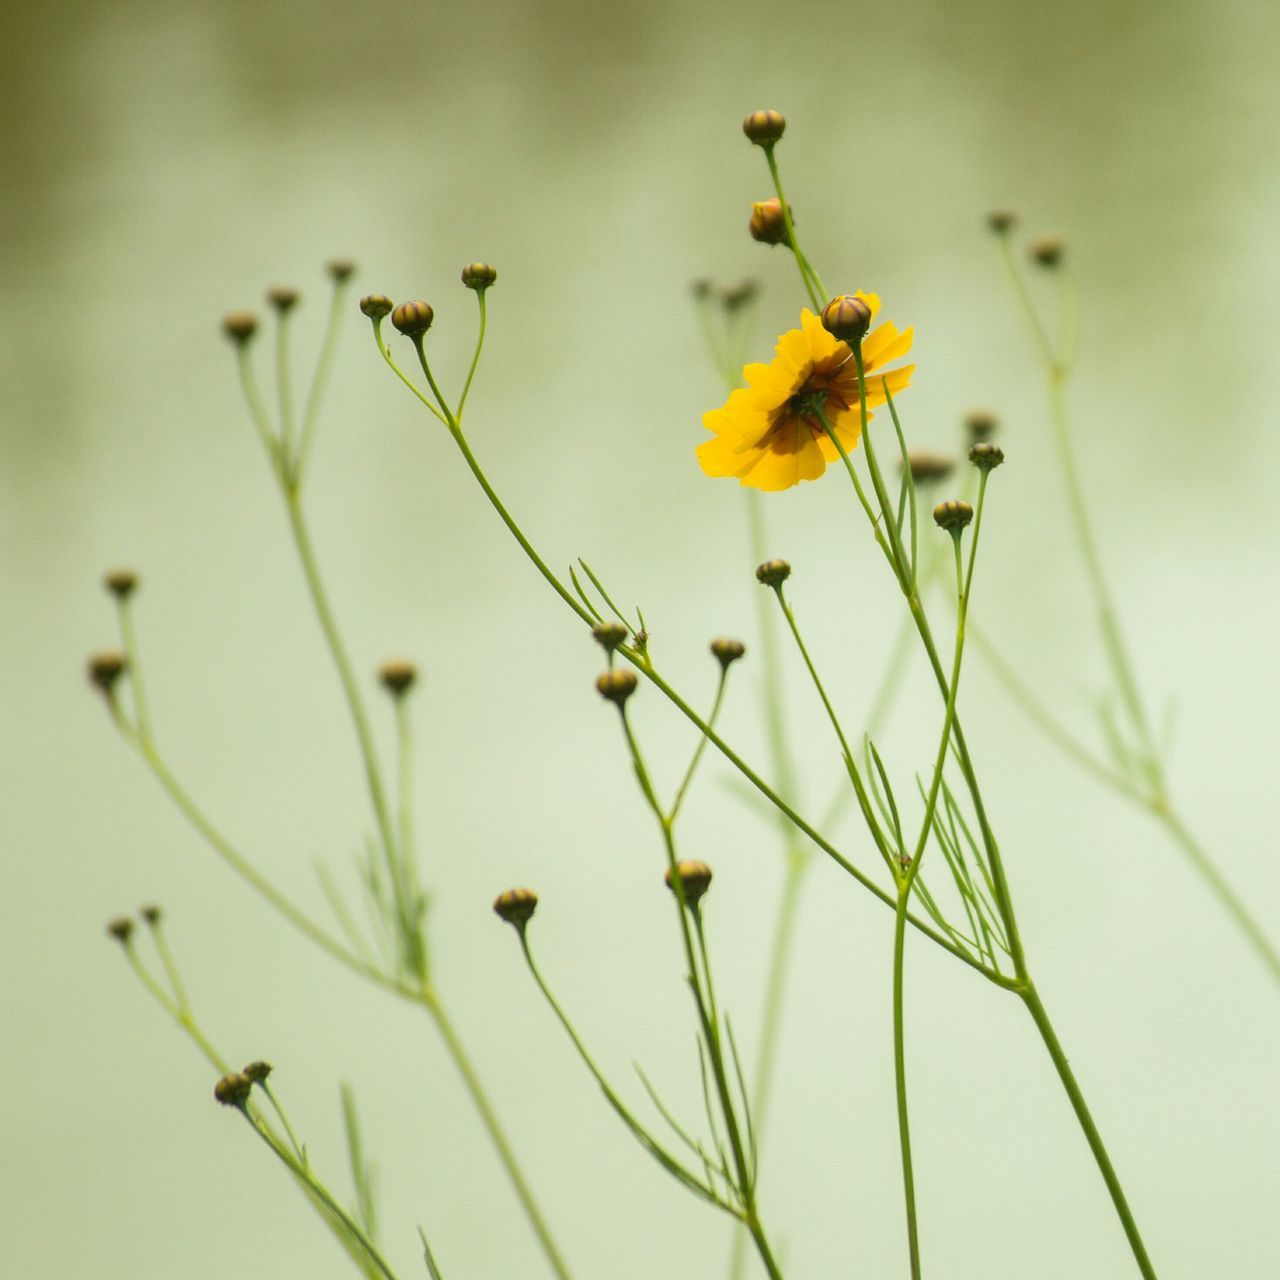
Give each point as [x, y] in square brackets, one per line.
[1150, 789]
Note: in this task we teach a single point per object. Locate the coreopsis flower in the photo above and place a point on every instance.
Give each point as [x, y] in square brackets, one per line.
[770, 434]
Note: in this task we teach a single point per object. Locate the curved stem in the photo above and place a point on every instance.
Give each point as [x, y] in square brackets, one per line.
[497, 1134]
[1037, 1010]
[319, 380]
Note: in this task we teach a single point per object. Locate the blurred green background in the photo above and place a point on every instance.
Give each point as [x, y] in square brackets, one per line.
[165, 162]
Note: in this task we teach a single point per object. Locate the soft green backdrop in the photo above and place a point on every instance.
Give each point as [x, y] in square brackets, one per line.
[164, 162]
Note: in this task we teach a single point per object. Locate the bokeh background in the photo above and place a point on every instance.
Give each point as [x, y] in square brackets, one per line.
[164, 163]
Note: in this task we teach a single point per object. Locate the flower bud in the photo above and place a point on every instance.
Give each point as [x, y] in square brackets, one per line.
[616, 685]
[340, 269]
[413, 319]
[986, 456]
[768, 223]
[952, 515]
[846, 317]
[376, 305]
[980, 423]
[120, 582]
[283, 298]
[1047, 251]
[120, 928]
[701, 289]
[773, 573]
[928, 467]
[397, 676]
[764, 128]
[609, 634]
[105, 668]
[239, 326]
[151, 914]
[727, 651]
[516, 906]
[257, 1072]
[233, 1090]
[1001, 221]
[695, 879]
[478, 275]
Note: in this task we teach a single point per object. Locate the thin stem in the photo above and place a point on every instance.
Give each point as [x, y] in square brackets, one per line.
[319, 380]
[133, 657]
[698, 751]
[244, 869]
[497, 1134]
[813, 286]
[900, 1081]
[404, 753]
[284, 386]
[1037, 1010]
[1214, 878]
[304, 1175]
[475, 359]
[258, 411]
[355, 704]
[1024, 297]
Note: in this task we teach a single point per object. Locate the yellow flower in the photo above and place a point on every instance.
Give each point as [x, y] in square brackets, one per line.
[769, 433]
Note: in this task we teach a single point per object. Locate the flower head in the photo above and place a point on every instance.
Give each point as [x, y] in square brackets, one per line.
[770, 433]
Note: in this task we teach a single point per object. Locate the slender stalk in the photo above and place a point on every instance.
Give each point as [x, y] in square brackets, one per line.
[129, 642]
[1032, 1000]
[817, 294]
[1214, 878]
[319, 380]
[497, 1134]
[900, 1081]
[475, 359]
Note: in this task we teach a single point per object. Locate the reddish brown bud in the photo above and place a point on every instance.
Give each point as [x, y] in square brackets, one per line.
[764, 128]
[121, 929]
[413, 318]
[283, 298]
[846, 317]
[695, 879]
[120, 582]
[105, 668]
[340, 269]
[768, 224]
[239, 326]
[397, 676]
[516, 906]
[1047, 251]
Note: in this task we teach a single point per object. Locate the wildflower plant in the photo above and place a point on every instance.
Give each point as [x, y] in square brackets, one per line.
[928, 848]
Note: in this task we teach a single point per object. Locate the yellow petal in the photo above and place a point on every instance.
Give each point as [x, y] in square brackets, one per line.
[885, 344]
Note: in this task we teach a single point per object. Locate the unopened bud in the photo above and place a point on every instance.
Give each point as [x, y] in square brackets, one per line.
[695, 879]
[928, 467]
[1047, 251]
[257, 1072]
[340, 269]
[376, 305]
[239, 326]
[980, 423]
[397, 676]
[105, 668]
[768, 223]
[616, 685]
[764, 128]
[120, 582]
[952, 515]
[609, 634]
[846, 317]
[773, 573]
[727, 651]
[233, 1090]
[151, 914]
[1001, 221]
[986, 456]
[283, 298]
[121, 928]
[701, 288]
[413, 318]
[516, 906]
[478, 275]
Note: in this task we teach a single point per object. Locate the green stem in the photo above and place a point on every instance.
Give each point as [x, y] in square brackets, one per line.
[244, 869]
[497, 1135]
[129, 642]
[1037, 1010]
[319, 380]
[355, 704]
[813, 286]
[1214, 878]
[303, 1173]
[283, 385]
[900, 1079]
[475, 359]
